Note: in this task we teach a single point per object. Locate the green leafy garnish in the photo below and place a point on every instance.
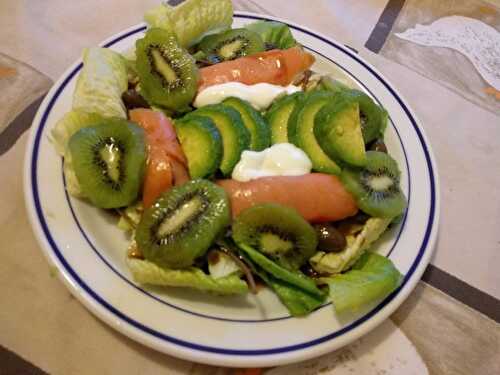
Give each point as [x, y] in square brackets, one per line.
[296, 300]
[372, 278]
[273, 33]
[191, 20]
[101, 83]
[294, 278]
[145, 272]
[296, 291]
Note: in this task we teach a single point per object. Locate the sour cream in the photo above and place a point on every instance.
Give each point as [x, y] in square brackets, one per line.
[259, 95]
[282, 159]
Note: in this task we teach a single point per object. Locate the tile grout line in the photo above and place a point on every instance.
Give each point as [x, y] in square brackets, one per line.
[12, 363]
[384, 25]
[463, 292]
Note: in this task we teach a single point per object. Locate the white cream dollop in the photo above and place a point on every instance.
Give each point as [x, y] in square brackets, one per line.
[259, 95]
[282, 159]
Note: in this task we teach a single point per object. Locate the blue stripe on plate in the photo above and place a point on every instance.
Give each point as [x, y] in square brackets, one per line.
[204, 348]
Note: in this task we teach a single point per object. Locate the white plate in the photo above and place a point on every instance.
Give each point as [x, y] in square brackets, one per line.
[89, 250]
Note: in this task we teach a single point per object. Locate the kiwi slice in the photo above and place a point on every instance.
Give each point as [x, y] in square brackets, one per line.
[109, 160]
[277, 231]
[231, 44]
[202, 144]
[278, 115]
[183, 223]
[235, 136]
[373, 118]
[376, 186]
[167, 73]
[260, 135]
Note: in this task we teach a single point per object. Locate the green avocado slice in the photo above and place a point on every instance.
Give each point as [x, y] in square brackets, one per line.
[302, 134]
[260, 135]
[202, 144]
[235, 136]
[278, 115]
[337, 128]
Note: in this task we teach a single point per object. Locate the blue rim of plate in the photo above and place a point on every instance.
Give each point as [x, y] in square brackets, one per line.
[171, 305]
[208, 349]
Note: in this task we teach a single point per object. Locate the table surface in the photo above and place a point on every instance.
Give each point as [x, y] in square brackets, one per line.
[48, 36]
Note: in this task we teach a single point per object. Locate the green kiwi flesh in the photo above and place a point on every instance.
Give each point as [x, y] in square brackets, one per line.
[231, 44]
[168, 74]
[376, 186]
[109, 161]
[277, 231]
[183, 223]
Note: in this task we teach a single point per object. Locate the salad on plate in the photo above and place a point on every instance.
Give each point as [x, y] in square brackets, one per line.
[232, 164]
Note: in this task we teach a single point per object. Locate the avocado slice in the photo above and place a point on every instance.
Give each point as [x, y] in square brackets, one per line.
[373, 117]
[337, 128]
[260, 135]
[278, 115]
[301, 131]
[235, 136]
[202, 144]
[333, 85]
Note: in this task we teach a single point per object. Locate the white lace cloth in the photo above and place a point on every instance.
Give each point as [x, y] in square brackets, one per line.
[479, 42]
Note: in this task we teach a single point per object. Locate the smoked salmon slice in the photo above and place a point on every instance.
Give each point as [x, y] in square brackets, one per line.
[166, 164]
[318, 197]
[276, 66]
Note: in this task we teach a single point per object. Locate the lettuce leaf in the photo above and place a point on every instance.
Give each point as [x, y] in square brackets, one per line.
[145, 272]
[101, 83]
[191, 20]
[274, 33]
[296, 279]
[130, 216]
[372, 278]
[68, 125]
[332, 263]
[72, 184]
[97, 95]
[297, 301]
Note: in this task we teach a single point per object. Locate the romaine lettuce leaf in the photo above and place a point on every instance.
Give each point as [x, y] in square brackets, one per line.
[274, 33]
[296, 279]
[130, 216]
[191, 20]
[72, 184]
[297, 301]
[68, 125]
[332, 263]
[145, 272]
[372, 278]
[101, 83]
[97, 95]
